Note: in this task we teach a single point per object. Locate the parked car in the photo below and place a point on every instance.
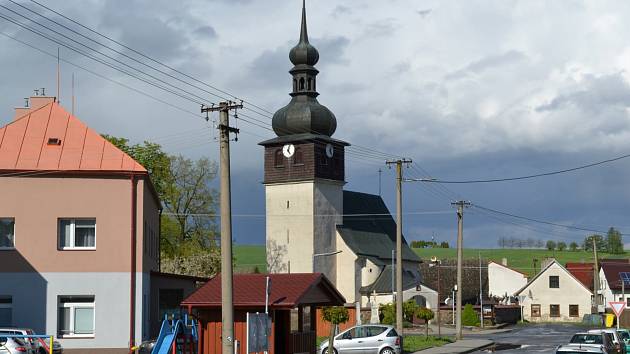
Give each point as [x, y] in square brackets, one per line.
[372, 339]
[601, 339]
[36, 346]
[30, 342]
[620, 345]
[581, 349]
[146, 347]
[625, 337]
[10, 345]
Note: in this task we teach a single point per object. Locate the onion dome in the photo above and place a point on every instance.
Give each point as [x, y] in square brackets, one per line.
[304, 114]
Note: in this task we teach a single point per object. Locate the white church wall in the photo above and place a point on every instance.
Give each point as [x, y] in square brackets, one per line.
[346, 272]
[289, 209]
[328, 210]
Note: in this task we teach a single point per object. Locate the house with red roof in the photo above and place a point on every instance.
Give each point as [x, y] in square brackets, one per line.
[611, 289]
[79, 234]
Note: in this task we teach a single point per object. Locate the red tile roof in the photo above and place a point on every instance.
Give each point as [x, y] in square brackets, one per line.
[26, 145]
[287, 291]
[583, 272]
[612, 270]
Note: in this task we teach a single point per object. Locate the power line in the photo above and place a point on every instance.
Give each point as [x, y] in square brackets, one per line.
[528, 176]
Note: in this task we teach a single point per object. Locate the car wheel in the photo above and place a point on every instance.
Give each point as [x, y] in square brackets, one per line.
[325, 351]
[42, 351]
[387, 350]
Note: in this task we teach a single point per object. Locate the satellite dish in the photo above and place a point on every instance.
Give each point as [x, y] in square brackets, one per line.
[448, 301]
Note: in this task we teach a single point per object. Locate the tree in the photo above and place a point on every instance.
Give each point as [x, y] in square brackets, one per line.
[426, 315]
[469, 316]
[573, 246]
[275, 256]
[614, 244]
[188, 227]
[334, 315]
[599, 241]
[561, 246]
[444, 244]
[551, 245]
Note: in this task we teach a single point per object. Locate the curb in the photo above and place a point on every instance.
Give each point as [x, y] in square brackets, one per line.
[465, 351]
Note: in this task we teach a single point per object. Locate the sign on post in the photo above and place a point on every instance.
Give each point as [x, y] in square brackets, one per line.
[617, 307]
[258, 332]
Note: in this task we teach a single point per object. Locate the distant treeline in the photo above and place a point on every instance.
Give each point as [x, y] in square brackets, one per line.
[429, 244]
[515, 242]
[611, 243]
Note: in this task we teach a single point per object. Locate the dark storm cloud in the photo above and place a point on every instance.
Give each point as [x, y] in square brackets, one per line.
[597, 94]
[488, 63]
[205, 32]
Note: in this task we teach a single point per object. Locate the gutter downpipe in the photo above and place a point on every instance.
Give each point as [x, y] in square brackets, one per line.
[132, 287]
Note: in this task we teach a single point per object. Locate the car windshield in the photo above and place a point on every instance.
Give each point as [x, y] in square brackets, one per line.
[624, 335]
[587, 339]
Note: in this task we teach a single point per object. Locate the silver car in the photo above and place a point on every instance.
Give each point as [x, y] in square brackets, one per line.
[366, 339]
[575, 348]
[10, 345]
[620, 346]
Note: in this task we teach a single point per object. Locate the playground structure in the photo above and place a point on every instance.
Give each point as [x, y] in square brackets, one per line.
[177, 337]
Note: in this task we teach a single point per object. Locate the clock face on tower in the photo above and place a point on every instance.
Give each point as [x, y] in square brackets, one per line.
[288, 150]
[329, 150]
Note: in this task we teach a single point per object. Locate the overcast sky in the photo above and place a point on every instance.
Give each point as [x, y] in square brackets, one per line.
[467, 89]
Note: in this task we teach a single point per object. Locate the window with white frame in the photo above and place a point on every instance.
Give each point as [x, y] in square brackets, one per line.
[7, 233]
[77, 234]
[6, 311]
[75, 316]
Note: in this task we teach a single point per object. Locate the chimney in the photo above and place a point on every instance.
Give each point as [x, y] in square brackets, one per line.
[504, 262]
[32, 104]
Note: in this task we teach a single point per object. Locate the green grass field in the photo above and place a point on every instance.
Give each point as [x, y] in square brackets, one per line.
[248, 257]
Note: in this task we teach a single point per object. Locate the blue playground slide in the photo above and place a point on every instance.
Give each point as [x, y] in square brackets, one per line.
[169, 332]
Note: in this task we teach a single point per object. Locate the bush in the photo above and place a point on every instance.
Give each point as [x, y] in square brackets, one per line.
[388, 312]
[469, 316]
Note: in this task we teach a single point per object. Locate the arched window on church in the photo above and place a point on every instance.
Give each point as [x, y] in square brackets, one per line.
[294, 85]
[298, 157]
[309, 83]
[278, 159]
[301, 84]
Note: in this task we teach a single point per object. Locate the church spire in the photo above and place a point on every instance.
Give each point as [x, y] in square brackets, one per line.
[304, 114]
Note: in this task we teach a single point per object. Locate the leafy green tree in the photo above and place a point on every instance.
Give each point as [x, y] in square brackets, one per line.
[587, 245]
[551, 245]
[469, 316]
[614, 244]
[389, 312]
[573, 246]
[334, 315]
[427, 315]
[561, 246]
[188, 226]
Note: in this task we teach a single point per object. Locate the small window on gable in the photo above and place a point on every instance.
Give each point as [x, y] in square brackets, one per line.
[554, 281]
[278, 159]
[298, 157]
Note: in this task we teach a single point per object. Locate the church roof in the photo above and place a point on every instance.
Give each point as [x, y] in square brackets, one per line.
[369, 228]
[49, 138]
[383, 284]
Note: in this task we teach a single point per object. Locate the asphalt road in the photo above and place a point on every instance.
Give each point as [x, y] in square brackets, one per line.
[532, 338]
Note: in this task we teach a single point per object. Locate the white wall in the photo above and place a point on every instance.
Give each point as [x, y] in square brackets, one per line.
[503, 280]
[609, 294]
[570, 292]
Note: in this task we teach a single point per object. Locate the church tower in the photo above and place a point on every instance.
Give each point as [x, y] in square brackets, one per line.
[304, 174]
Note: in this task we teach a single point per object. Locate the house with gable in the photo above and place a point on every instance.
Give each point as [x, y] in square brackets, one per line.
[79, 235]
[611, 289]
[504, 281]
[554, 294]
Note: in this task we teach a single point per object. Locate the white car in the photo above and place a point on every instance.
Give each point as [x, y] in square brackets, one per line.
[369, 339]
[575, 348]
[620, 345]
[10, 345]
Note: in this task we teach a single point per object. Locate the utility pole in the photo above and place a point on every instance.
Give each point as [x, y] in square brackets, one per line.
[227, 301]
[595, 274]
[480, 292]
[460, 257]
[399, 256]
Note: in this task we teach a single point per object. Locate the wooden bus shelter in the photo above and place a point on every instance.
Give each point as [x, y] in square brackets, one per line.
[293, 307]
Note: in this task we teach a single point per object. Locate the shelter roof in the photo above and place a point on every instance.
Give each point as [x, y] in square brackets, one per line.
[369, 228]
[49, 138]
[287, 291]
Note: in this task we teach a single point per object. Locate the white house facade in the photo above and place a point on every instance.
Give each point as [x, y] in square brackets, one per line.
[504, 281]
[555, 295]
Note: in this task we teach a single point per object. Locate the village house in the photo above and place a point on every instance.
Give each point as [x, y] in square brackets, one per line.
[504, 281]
[79, 235]
[555, 295]
[611, 289]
